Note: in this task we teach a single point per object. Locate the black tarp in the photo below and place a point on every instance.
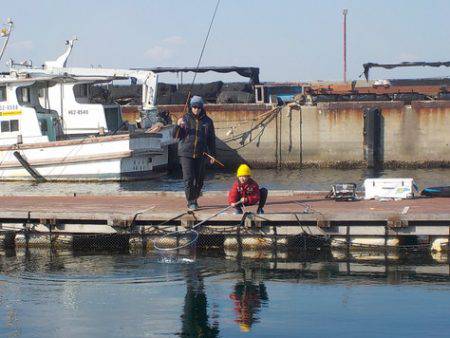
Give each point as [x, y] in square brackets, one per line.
[235, 97]
[443, 81]
[369, 65]
[250, 72]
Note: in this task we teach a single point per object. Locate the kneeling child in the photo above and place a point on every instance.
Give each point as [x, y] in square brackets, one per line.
[246, 191]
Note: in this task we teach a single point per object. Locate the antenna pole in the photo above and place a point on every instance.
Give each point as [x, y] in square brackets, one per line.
[344, 13]
[6, 32]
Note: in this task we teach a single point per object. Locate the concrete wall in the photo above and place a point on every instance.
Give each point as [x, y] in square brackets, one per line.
[418, 133]
[330, 134]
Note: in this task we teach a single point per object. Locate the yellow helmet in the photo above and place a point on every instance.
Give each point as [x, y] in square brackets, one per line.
[244, 170]
[244, 327]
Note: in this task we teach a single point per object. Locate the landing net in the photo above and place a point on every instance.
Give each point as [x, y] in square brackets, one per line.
[176, 240]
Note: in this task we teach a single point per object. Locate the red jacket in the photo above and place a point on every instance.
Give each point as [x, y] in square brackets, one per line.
[249, 190]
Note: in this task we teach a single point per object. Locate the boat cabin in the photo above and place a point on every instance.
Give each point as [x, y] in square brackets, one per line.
[49, 108]
[79, 113]
[22, 118]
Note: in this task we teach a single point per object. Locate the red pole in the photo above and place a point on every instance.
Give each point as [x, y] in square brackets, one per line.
[344, 12]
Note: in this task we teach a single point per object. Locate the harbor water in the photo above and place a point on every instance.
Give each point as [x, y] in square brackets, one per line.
[46, 293]
[305, 179]
[315, 293]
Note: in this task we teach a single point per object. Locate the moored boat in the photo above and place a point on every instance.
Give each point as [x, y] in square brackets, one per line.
[51, 126]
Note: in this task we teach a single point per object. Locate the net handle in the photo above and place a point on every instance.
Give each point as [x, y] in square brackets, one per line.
[212, 216]
[155, 245]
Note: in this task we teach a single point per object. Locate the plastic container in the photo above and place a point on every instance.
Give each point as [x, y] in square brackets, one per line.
[389, 188]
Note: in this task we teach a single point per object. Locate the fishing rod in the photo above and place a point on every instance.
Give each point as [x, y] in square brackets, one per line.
[200, 58]
[214, 159]
[186, 104]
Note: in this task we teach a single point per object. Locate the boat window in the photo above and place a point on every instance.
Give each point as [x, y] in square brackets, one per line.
[25, 94]
[259, 94]
[81, 90]
[44, 126]
[10, 126]
[14, 125]
[2, 93]
[42, 92]
[113, 118]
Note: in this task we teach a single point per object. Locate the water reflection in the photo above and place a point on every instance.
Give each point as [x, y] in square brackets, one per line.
[208, 295]
[248, 297]
[254, 266]
[195, 319]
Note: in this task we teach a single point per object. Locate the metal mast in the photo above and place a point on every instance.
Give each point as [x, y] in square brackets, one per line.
[5, 33]
[344, 12]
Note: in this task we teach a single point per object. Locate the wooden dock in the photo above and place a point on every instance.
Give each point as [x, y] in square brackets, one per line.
[286, 214]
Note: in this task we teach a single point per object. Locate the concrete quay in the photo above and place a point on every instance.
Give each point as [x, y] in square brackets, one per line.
[56, 220]
[331, 134]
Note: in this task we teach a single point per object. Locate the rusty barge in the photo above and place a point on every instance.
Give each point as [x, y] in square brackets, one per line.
[364, 123]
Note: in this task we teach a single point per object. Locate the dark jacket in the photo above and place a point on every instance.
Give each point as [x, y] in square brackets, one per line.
[197, 136]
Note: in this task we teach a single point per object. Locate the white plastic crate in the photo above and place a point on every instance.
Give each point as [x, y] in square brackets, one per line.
[384, 188]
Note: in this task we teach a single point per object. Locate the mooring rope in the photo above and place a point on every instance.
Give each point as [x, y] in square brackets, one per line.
[246, 134]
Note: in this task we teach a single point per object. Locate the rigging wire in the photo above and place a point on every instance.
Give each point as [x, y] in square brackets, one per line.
[200, 57]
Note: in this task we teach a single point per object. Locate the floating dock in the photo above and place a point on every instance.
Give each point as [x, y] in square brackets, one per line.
[289, 218]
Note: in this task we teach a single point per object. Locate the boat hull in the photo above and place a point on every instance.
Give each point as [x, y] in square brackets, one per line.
[111, 158]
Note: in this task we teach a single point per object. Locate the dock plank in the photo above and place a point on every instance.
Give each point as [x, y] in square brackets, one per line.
[159, 207]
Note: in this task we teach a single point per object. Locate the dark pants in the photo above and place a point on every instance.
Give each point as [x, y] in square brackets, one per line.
[262, 199]
[193, 176]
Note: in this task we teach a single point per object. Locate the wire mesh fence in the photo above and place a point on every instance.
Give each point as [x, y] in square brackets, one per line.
[173, 236]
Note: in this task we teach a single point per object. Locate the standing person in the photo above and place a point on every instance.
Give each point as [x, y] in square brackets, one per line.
[245, 191]
[195, 132]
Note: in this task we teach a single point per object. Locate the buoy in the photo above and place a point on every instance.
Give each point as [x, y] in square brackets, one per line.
[256, 242]
[440, 257]
[135, 241]
[249, 242]
[62, 241]
[43, 240]
[363, 255]
[339, 254]
[32, 240]
[365, 241]
[439, 244]
[255, 254]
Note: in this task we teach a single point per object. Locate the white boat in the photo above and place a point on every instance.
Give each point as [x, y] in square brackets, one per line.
[51, 130]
